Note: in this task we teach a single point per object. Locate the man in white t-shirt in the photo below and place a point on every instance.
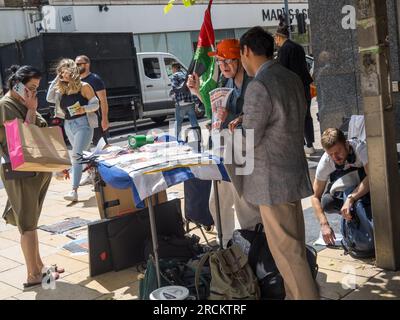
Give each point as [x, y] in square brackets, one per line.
[345, 166]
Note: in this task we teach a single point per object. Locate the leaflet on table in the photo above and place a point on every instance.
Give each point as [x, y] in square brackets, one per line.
[171, 165]
[164, 162]
[163, 154]
[219, 102]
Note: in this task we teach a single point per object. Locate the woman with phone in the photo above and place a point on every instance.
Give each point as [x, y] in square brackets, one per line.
[26, 192]
[77, 103]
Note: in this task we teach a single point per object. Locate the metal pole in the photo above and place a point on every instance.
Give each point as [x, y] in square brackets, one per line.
[287, 17]
[154, 238]
[218, 211]
[134, 115]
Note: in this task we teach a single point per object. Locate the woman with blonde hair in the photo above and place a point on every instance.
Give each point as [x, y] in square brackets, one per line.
[77, 103]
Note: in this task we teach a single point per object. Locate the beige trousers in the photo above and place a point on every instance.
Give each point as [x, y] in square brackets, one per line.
[231, 205]
[284, 228]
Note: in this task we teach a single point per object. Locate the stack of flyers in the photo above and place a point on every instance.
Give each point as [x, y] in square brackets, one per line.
[219, 102]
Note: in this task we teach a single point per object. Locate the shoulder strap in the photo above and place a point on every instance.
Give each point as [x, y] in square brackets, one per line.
[256, 246]
[200, 266]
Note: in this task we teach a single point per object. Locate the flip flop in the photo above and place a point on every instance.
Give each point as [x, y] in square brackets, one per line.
[32, 284]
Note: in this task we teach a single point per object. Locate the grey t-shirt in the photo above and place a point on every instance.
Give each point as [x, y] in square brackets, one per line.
[326, 165]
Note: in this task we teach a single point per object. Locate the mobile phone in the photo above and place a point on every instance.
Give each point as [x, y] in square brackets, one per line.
[20, 89]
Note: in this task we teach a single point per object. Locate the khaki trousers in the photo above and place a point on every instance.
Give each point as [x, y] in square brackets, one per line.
[285, 232]
[231, 205]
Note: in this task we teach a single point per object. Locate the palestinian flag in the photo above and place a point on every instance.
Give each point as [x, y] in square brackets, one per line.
[203, 62]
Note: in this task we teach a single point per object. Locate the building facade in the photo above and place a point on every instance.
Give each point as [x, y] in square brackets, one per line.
[176, 32]
[336, 52]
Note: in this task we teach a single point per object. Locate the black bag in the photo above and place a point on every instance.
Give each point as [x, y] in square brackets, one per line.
[358, 233]
[254, 244]
[172, 247]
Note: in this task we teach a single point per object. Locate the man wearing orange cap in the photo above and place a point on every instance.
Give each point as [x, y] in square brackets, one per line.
[274, 112]
[234, 76]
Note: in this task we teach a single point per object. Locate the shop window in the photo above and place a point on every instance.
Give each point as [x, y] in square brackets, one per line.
[152, 68]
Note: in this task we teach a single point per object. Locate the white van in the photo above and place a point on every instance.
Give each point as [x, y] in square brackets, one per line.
[155, 68]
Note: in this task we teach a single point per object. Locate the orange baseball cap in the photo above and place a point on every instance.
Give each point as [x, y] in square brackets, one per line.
[227, 49]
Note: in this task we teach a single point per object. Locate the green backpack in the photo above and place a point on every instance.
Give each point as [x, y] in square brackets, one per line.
[231, 275]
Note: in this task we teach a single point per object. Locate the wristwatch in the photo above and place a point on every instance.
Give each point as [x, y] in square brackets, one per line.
[350, 196]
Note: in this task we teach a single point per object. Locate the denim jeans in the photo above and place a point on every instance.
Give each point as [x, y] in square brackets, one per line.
[80, 135]
[180, 113]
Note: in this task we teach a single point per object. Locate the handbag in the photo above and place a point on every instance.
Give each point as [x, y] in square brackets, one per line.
[33, 148]
[9, 173]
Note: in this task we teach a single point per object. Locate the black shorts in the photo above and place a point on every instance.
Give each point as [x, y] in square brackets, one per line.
[99, 133]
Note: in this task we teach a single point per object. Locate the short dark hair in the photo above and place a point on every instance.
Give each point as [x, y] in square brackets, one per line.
[86, 58]
[283, 31]
[259, 41]
[22, 74]
[176, 65]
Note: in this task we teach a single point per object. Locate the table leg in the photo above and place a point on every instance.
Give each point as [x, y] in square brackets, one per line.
[218, 213]
[154, 239]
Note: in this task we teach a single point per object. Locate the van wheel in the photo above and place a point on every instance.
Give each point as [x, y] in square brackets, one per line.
[158, 120]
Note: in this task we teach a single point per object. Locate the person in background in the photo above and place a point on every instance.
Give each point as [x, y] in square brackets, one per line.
[292, 56]
[78, 104]
[185, 102]
[83, 63]
[25, 194]
[101, 131]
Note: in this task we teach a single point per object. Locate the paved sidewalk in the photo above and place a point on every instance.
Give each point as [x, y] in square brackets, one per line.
[340, 276]
[369, 282]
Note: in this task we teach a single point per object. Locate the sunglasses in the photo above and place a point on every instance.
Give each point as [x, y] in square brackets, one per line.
[79, 64]
[226, 61]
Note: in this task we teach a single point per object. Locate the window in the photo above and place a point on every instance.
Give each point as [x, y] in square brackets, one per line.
[179, 44]
[152, 68]
[168, 65]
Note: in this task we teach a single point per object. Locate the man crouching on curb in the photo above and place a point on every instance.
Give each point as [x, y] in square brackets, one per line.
[345, 160]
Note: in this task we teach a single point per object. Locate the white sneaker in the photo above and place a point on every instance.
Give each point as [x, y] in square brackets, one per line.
[71, 196]
[309, 150]
[87, 180]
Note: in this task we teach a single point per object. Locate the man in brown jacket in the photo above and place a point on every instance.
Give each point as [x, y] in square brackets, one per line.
[274, 109]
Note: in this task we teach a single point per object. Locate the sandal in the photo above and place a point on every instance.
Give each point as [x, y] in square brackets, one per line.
[36, 283]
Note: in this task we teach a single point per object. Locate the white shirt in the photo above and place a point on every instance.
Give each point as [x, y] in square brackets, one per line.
[326, 165]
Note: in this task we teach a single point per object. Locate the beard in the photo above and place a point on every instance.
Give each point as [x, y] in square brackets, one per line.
[82, 70]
